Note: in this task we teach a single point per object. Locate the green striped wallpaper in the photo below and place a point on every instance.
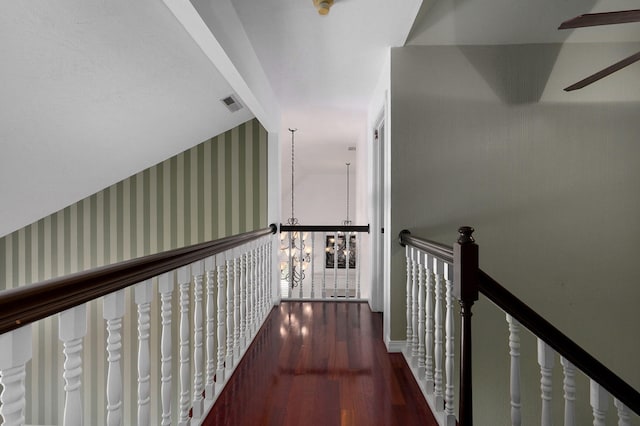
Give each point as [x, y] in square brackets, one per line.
[215, 189]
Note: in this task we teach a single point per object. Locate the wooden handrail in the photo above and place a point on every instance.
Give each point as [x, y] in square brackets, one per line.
[24, 305]
[324, 228]
[441, 251]
[563, 345]
[535, 323]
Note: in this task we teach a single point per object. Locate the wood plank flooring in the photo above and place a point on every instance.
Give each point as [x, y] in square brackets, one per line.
[321, 363]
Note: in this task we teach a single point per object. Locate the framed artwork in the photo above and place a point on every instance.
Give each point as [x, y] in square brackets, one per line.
[330, 246]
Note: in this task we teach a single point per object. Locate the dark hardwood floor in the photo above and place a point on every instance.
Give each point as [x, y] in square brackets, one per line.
[321, 363]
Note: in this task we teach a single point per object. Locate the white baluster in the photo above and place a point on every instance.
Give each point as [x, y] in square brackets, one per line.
[569, 388]
[624, 418]
[255, 289]
[514, 352]
[165, 288]
[197, 269]
[429, 383]
[335, 265]
[358, 249]
[599, 399]
[438, 267]
[209, 386]
[268, 269]
[222, 314]
[262, 291]
[414, 309]
[184, 280]
[409, 304]
[300, 265]
[143, 294]
[71, 330]
[291, 240]
[546, 361]
[229, 283]
[113, 310]
[313, 255]
[236, 305]
[243, 299]
[16, 351]
[449, 407]
[347, 238]
[260, 283]
[324, 267]
[421, 296]
[251, 300]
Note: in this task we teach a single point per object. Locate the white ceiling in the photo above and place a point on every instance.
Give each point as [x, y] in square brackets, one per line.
[323, 69]
[92, 92]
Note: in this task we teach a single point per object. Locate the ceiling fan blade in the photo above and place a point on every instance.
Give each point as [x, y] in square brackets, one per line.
[606, 18]
[605, 72]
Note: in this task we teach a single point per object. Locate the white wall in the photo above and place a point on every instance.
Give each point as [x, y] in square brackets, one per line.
[550, 186]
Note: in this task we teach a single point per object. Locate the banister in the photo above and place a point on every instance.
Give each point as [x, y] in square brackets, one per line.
[324, 228]
[441, 251]
[24, 305]
[563, 345]
[535, 323]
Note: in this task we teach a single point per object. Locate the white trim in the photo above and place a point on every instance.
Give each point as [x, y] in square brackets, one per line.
[396, 346]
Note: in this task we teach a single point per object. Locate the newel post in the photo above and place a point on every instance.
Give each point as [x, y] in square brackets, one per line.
[465, 260]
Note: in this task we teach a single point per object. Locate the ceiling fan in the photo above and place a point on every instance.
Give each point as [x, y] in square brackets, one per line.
[606, 18]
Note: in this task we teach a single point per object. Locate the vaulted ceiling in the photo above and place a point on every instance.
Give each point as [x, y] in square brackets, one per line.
[92, 92]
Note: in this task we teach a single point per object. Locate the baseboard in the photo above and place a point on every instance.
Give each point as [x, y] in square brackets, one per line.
[395, 345]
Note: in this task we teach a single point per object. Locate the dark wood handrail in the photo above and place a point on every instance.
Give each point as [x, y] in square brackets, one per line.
[24, 305]
[441, 251]
[559, 341]
[535, 323]
[325, 228]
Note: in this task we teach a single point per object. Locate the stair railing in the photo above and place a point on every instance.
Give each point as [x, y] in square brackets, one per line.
[457, 267]
[321, 262]
[223, 294]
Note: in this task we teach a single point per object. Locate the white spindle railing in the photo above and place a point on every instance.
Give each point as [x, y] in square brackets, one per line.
[143, 297]
[113, 311]
[430, 348]
[73, 328]
[16, 351]
[321, 266]
[222, 301]
[514, 382]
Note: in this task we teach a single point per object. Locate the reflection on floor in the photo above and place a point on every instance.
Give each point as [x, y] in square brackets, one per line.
[321, 363]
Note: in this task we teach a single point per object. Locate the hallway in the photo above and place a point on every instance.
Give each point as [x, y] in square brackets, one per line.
[321, 363]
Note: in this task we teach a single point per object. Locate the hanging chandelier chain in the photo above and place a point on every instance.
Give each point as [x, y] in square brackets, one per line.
[292, 219]
[347, 221]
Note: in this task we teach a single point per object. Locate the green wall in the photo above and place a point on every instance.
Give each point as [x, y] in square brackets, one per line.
[485, 136]
[216, 189]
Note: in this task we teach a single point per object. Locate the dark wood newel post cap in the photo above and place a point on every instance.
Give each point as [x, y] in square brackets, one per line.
[403, 233]
[465, 266]
[465, 235]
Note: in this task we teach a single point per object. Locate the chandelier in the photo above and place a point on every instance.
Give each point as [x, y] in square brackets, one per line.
[323, 6]
[341, 248]
[295, 255]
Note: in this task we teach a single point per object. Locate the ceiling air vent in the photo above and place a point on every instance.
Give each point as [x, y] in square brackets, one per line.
[232, 103]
